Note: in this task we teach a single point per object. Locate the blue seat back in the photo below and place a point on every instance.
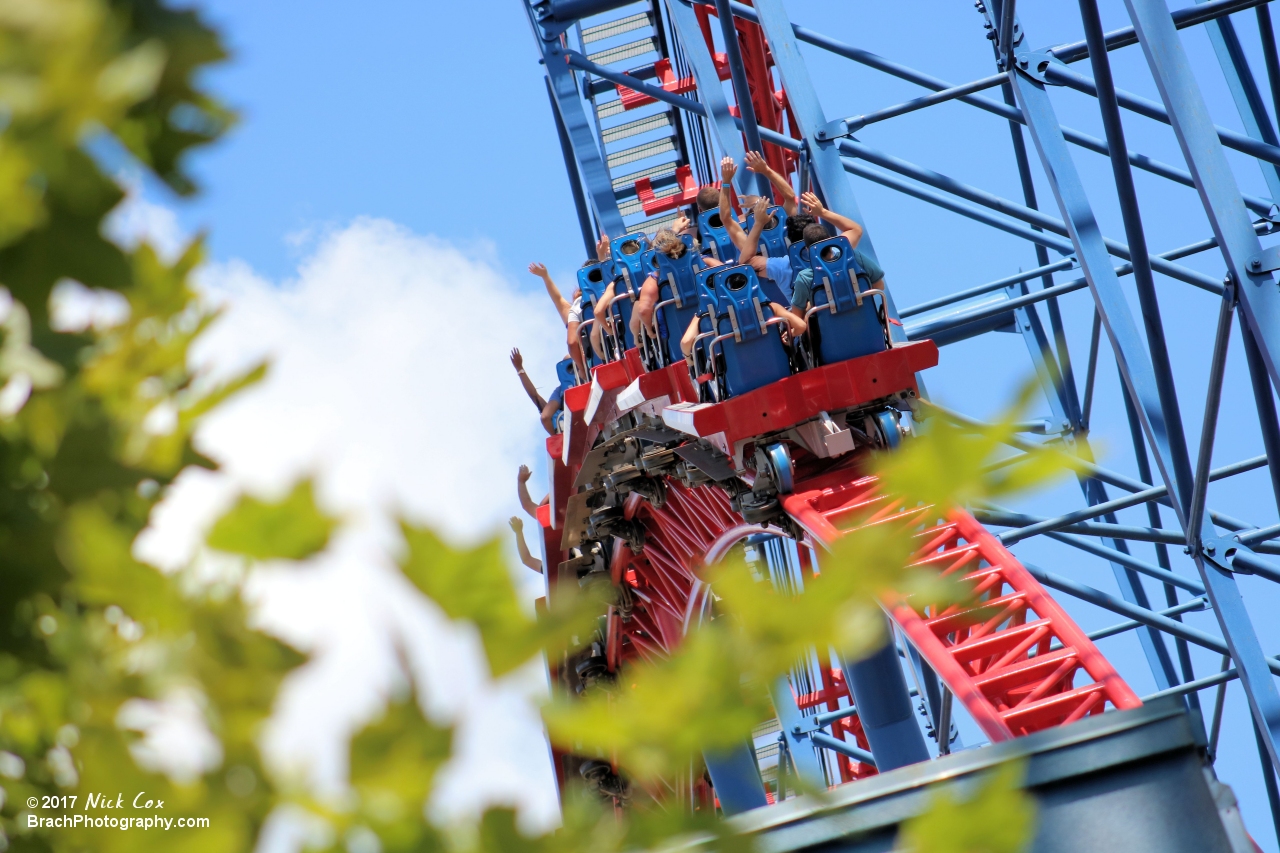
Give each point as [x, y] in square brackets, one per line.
[715, 236]
[755, 355]
[773, 241]
[798, 253]
[628, 255]
[677, 280]
[592, 281]
[564, 372]
[854, 329]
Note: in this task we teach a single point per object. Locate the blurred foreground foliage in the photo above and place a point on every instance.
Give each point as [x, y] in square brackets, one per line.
[100, 652]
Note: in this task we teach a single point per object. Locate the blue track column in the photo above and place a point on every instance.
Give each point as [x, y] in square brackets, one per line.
[575, 182]
[874, 683]
[884, 707]
[1244, 91]
[578, 128]
[1258, 294]
[1139, 376]
[796, 734]
[736, 779]
[824, 155]
[710, 92]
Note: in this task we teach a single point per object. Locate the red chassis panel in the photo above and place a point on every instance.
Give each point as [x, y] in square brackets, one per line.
[800, 397]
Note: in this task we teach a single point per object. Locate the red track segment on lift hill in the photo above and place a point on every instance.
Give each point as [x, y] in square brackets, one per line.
[1012, 657]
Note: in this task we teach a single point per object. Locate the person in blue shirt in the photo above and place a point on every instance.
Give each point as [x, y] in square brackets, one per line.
[802, 292]
[777, 270]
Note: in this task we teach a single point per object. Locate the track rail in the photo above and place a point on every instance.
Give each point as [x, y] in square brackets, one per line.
[1012, 656]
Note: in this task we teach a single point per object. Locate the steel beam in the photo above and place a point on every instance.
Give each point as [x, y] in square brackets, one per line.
[575, 182]
[736, 778]
[854, 148]
[741, 93]
[806, 109]
[1075, 137]
[1244, 91]
[1139, 375]
[578, 129]
[1064, 76]
[796, 736]
[1188, 17]
[707, 79]
[1266, 406]
[1258, 294]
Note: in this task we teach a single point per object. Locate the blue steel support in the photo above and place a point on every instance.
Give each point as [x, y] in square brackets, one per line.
[1138, 372]
[1059, 399]
[824, 155]
[1182, 18]
[1258, 294]
[741, 93]
[567, 11]
[878, 686]
[1244, 91]
[1266, 406]
[575, 182]
[1075, 137]
[1162, 550]
[854, 148]
[1268, 36]
[884, 707]
[1143, 279]
[1209, 426]
[795, 733]
[1070, 395]
[1061, 75]
[578, 129]
[736, 779]
[1269, 780]
[710, 92]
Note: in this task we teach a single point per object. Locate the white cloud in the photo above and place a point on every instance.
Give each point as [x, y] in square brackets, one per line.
[138, 219]
[390, 381]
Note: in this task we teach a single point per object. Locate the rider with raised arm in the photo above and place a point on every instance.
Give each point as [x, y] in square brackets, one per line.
[756, 163]
[547, 409]
[777, 270]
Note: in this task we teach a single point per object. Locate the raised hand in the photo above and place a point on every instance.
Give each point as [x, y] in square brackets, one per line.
[517, 360]
[755, 162]
[812, 205]
[728, 169]
[523, 474]
[602, 247]
[538, 269]
[517, 525]
[760, 207]
[680, 225]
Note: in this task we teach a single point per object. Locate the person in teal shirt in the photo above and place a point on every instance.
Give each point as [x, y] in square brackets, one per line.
[802, 294]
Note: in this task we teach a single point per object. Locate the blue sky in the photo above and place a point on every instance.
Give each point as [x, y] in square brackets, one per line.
[434, 116]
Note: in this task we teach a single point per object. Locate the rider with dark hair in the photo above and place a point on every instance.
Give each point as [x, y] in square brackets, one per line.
[816, 232]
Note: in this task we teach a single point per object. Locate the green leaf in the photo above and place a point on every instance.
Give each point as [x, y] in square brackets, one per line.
[289, 529]
[954, 463]
[475, 585]
[662, 716]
